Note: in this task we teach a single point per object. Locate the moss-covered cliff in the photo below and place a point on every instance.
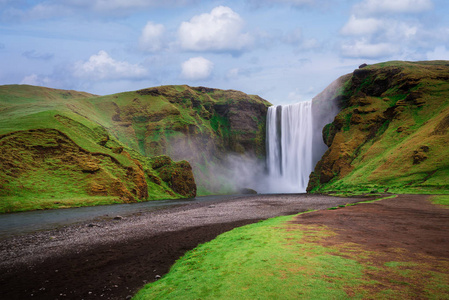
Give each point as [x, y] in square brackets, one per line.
[63, 148]
[391, 133]
[197, 124]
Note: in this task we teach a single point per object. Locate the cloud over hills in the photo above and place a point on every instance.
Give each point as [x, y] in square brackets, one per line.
[219, 30]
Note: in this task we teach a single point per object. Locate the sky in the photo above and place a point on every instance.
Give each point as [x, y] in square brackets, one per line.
[285, 51]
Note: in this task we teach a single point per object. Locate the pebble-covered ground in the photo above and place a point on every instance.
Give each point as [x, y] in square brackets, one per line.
[112, 258]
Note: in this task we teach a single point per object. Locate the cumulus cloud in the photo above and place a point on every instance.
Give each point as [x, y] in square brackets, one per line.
[219, 30]
[379, 29]
[101, 66]
[361, 26]
[365, 49]
[196, 68]
[390, 6]
[152, 38]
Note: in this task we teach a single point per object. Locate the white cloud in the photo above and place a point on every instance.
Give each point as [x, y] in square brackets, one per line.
[152, 38]
[34, 79]
[361, 26]
[197, 68]
[393, 6]
[102, 66]
[365, 49]
[219, 30]
[439, 53]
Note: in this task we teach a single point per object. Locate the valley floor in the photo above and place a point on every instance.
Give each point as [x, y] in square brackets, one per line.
[113, 259]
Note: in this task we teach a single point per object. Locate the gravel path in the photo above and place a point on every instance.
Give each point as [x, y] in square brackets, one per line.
[112, 259]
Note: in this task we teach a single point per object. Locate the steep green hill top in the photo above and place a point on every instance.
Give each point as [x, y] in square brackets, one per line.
[391, 133]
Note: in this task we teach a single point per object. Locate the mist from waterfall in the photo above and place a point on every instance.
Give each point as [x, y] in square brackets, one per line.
[289, 147]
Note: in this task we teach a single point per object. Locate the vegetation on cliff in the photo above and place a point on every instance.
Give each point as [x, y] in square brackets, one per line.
[197, 124]
[391, 133]
[63, 148]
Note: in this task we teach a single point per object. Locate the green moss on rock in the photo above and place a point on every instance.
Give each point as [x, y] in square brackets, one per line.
[391, 132]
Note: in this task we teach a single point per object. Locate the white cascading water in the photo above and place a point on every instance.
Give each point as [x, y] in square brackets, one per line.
[289, 147]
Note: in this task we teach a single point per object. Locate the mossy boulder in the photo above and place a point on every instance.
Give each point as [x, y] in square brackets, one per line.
[178, 175]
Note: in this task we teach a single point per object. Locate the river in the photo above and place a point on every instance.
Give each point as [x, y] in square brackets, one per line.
[31, 221]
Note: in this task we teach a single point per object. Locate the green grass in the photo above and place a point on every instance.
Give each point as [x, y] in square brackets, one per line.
[260, 261]
[277, 259]
[49, 139]
[18, 203]
[440, 200]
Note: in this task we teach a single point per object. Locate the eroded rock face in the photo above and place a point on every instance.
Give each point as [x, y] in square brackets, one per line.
[178, 175]
[391, 128]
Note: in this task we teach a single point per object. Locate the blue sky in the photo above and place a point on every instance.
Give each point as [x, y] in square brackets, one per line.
[282, 50]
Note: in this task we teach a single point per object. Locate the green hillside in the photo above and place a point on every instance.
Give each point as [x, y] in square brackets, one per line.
[63, 148]
[197, 124]
[391, 133]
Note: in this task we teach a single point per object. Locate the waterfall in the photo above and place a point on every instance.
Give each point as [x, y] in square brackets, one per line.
[289, 147]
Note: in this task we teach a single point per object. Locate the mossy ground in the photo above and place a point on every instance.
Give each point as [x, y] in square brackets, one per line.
[280, 259]
[52, 155]
[392, 132]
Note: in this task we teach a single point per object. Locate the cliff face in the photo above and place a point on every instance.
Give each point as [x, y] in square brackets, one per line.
[392, 131]
[197, 124]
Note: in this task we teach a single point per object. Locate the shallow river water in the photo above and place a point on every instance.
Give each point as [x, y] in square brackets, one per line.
[31, 221]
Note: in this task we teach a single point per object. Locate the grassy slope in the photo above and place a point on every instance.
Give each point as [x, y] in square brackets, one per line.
[199, 125]
[275, 259]
[394, 138]
[52, 156]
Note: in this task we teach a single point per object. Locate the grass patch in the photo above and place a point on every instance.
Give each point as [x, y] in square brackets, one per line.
[17, 204]
[440, 200]
[266, 260]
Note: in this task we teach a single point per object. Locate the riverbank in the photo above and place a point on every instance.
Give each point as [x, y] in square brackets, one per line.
[390, 249]
[113, 258]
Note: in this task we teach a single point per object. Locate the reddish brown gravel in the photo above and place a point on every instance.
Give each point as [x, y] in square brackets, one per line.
[408, 222]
